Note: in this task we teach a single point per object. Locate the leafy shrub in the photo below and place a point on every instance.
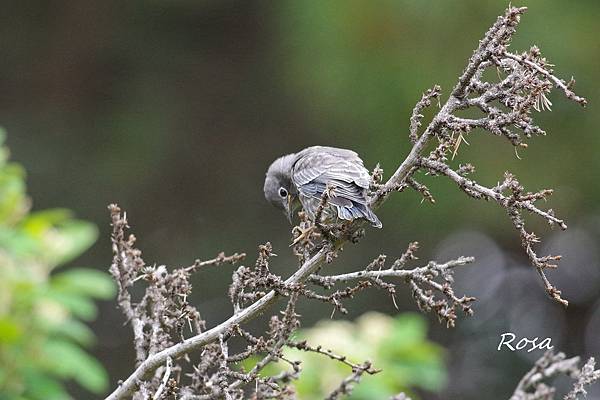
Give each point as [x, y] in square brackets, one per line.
[42, 312]
[399, 346]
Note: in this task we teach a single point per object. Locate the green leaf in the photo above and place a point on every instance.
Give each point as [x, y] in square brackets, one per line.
[63, 238]
[10, 331]
[13, 201]
[79, 305]
[74, 330]
[42, 387]
[38, 222]
[17, 243]
[40, 332]
[85, 281]
[92, 375]
[409, 327]
[77, 237]
[68, 360]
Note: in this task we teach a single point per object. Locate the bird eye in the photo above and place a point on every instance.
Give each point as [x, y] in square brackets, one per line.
[283, 192]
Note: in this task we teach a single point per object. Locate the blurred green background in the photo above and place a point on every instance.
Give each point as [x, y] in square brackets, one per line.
[174, 109]
[42, 309]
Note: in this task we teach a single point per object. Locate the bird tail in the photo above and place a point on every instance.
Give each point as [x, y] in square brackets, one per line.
[372, 218]
[359, 211]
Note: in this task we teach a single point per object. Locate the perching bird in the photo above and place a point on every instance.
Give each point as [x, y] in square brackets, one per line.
[301, 178]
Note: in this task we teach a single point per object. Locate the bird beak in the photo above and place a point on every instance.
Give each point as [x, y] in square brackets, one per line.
[289, 209]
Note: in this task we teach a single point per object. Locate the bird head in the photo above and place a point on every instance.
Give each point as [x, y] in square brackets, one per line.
[279, 189]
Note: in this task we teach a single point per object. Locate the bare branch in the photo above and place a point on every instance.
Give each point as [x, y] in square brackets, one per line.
[559, 83]
[422, 281]
[513, 203]
[426, 100]
[163, 385]
[528, 78]
[533, 386]
[346, 386]
[166, 327]
[151, 363]
[588, 375]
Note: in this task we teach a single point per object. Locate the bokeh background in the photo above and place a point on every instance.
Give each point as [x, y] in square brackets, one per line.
[174, 109]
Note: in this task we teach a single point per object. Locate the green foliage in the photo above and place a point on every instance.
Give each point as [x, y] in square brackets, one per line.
[41, 333]
[398, 346]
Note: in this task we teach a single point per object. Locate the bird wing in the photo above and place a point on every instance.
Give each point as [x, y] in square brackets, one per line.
[318, 166]
[329, 163]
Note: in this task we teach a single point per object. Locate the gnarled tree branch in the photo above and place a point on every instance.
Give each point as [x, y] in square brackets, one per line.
[160, 318]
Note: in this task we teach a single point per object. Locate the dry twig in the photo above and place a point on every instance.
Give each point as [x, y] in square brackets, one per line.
[167, 328]
[534, 385]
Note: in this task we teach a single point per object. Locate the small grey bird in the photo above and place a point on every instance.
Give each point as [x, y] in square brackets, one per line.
[301, 178]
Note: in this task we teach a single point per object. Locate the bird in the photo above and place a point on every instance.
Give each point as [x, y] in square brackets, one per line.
[300, 179]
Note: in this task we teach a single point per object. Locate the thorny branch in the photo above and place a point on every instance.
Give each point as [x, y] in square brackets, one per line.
[507, 104]
[422, 281]
[166, 320]
[167, 329]
[534, 385]
[348, 383]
